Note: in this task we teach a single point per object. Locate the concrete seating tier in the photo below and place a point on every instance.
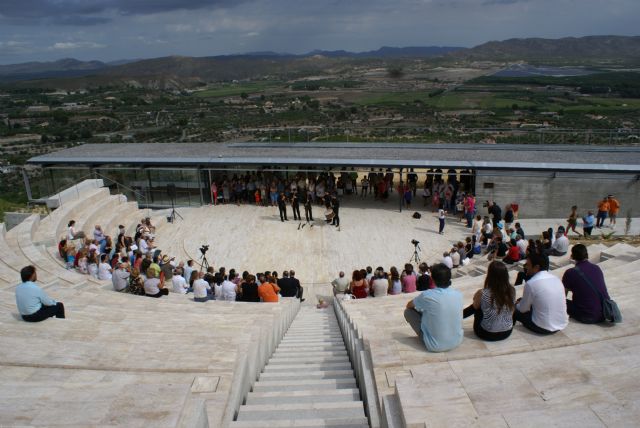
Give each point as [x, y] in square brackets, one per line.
[581, 376]
[134, 361]
[52, 227]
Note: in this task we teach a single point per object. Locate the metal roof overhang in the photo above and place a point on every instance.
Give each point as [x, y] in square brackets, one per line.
[338, 162]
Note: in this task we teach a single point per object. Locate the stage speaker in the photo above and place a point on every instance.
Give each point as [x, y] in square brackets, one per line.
[171, 191]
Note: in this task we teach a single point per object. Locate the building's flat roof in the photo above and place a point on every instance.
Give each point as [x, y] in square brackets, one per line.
[395, 155]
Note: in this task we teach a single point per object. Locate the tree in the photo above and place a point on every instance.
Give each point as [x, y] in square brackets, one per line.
[395, 72]
[244, 95]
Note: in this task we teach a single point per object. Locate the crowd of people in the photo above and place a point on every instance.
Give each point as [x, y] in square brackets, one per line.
[135, 265]
[436, 314]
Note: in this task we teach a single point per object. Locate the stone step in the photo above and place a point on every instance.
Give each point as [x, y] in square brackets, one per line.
[305, 423]
[265, 412]
[316, 359]
[304, 354]
[310, 374]
[304, 368]
[311, 348]
[313, 336]
[303, 385]
[307, 396]
[302, 340]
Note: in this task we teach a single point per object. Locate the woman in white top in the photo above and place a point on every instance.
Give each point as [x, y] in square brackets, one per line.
[104, 269]
[72, 234]
[180, 285]
[92, 265]
[153, 286]
[201, 289]
[380, 285]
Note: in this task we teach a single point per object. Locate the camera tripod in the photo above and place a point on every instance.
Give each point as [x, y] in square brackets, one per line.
[174, 213]
[415, 258]
[204, 263]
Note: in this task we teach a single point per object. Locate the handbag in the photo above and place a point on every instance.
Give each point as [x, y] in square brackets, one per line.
[610, 308]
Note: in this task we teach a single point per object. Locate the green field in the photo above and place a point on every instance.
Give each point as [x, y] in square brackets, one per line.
[235, 89]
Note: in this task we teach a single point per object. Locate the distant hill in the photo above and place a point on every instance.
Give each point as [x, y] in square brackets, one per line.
[67, 67]
[569, 49]
[391, 52]
[220, 67]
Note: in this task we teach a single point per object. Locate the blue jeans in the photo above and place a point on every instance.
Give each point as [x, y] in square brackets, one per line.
[441, 225]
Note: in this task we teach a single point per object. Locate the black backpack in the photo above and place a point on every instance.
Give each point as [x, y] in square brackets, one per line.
[417, 215]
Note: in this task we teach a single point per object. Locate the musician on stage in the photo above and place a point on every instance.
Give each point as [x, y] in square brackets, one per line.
[308, 211]
[335, 205]
[282, 207]
[295, 205]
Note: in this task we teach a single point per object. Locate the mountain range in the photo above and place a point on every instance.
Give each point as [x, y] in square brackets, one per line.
[618, 49]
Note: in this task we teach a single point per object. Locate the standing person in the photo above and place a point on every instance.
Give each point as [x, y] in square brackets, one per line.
[335, 205]
[496, 213]
[295, 205]
[493, 305]
[441, 217]
[282, 207]
[588, 288]
[214, 193]
[572, 221]
[308, 210]
[469, 208]
[365, 187]
[588, 222]
[603, 211]
[436, 315]
[33, 304]
[614, 208]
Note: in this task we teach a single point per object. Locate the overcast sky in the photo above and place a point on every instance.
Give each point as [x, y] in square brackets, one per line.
[110, 30]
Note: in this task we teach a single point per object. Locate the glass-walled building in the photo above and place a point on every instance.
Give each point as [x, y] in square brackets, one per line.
[542, 179]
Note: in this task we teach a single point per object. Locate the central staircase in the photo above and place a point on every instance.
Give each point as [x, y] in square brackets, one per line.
[308, 382]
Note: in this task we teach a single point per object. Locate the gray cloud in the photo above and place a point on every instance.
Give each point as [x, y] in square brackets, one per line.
[146, 28]
[93, 12]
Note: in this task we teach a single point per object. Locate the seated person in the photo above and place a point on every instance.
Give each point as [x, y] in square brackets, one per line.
[542, 308]
[513, 253]
[153, 286]
[561, 245]
[586, 303]
[33, 304]
[493, 306]
[180, 285]
[340, 284]
[436, 315]
[201, 288]
[267, 291]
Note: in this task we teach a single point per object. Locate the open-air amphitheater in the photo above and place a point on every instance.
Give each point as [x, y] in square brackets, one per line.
[124, 360]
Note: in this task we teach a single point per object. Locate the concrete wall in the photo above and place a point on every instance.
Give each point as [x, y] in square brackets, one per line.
[541, 195]
[12, 219]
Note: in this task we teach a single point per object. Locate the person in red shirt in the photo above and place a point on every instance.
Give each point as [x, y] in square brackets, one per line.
[513, 253]
[267, 291]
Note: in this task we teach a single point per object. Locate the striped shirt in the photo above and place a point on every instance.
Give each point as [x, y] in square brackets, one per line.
[494, 321]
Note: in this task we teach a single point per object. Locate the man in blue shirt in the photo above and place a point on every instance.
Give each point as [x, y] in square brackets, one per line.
[33, 304]
[436, 314]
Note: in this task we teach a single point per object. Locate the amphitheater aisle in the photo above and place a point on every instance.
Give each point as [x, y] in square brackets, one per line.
[308, 381]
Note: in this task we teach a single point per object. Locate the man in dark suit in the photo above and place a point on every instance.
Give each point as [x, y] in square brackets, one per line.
[282, 207]
[335, 204]
[287, 286]
[292, 277]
